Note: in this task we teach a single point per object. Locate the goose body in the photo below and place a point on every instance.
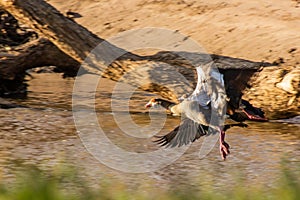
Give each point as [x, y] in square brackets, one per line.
[208, 101]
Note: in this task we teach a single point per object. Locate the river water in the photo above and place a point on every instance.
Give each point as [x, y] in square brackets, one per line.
[43, 133]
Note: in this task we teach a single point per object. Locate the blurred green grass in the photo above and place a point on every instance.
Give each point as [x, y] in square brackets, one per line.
[65, 183]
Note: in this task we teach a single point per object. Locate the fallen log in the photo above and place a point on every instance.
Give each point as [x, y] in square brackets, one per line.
[73, 39]
[11, 33]
[37, 53]
[77, 42]
[277, 91]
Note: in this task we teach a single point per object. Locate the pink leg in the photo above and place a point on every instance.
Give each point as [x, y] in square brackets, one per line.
[224, 147]
[254, 117]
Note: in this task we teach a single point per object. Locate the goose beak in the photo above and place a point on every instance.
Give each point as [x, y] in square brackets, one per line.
[148, 105]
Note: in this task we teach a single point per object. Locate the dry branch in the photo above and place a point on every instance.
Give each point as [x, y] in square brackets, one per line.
[37, 53]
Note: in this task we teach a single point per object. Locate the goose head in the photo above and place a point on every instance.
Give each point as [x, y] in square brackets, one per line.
[152, 103]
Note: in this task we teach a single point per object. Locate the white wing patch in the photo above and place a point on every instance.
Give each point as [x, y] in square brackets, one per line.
[209, 87]
[201, 93]
[218, 96]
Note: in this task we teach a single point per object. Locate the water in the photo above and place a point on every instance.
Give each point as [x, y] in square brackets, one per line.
[43, 133]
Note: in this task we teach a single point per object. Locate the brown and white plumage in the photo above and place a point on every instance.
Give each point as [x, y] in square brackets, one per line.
[206, 107]
[187, 132]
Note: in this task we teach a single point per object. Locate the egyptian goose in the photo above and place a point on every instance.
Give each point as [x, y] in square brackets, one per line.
[208, 101]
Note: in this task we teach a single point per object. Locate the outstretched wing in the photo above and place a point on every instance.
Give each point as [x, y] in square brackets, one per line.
[201, 93]
[210, 91]
[187, 132]
[225, 87]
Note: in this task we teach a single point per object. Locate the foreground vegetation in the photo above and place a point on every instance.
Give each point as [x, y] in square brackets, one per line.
[36, 184]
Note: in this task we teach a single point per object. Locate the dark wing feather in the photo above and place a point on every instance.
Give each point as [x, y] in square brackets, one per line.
[236, 81]
[187, 132]
[252, 109]
[237, 75]
[240, 114]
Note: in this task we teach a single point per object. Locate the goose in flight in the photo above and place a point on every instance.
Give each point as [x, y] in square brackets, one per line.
[206, 108]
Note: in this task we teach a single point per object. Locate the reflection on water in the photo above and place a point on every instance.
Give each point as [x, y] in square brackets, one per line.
[44, 134]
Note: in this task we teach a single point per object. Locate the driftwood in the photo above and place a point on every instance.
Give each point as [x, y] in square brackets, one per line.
[37, 53]
[11, 33]
[68, 36]
[62, 38]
